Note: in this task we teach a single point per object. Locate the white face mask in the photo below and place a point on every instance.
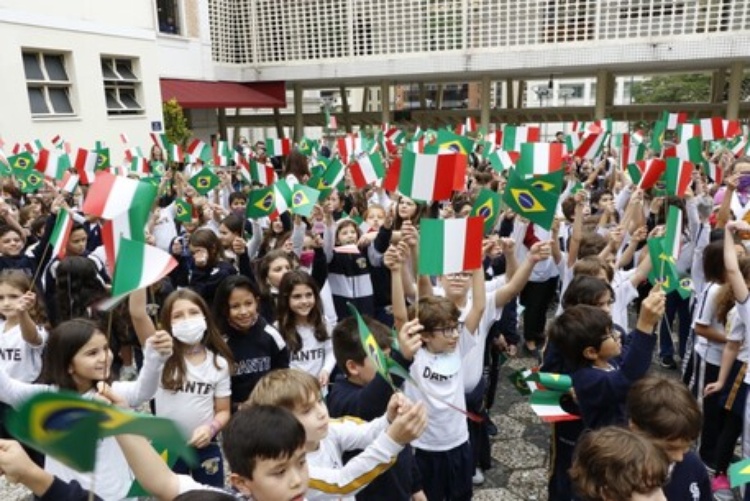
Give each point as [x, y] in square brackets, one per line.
[190, 331]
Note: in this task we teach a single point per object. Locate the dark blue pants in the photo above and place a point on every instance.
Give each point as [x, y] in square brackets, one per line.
[562, 444]
[210, 468]
[446, 475]
[680, 307]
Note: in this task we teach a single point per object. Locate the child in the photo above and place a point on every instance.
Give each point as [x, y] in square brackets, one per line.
[362, 393]
[664, 411]
[195, 384]
[614, 464]
[257, 347]
[327, 440]
[602, 373]
[271, 269]
[206, 269]
[302, 327]
[76, 358]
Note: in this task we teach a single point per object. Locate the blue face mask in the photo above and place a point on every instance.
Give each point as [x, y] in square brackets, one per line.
[744, 184]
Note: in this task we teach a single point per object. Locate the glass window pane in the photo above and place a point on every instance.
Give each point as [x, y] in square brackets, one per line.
[112, 102]
[60, 99]
[107, 71]
[31, 67]
[127, 97]
[37, 101]
[55, 67]
[125, 71]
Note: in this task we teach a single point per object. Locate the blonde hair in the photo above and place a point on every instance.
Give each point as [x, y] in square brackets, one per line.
[287, 388]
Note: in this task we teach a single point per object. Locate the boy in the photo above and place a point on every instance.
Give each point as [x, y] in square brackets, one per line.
[363, 394]
[603, 371]
[665, 412]
[327, 440]
[615, 464]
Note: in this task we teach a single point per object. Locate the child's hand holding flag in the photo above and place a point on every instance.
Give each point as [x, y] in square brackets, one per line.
[409, 338]
[652, 309]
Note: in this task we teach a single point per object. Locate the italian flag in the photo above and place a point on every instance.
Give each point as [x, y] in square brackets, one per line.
[69, 182]
[367, 169]
[540, 158]
[687, 131]
[283, 193]
[690, 151]
[199, 149]
[85, 164]
[160, 140]
[712, 128]
[427, 177]
[572, 142]
[139, 265]
[502, 160]
[348, 147]
[673, 234]
[278, 147]
[599, 126]
[674, 119]
[591, 146]
[678, 177]
[515, 135]
[546, 405]
[58, 240]
[262, 174]
[112, 195]
[455, 245]
[714, 172]
[139, 165]
[130, 224]
[52, 163]
[551, 381]
[652, 171]
[175, 153]
[58, 141]
[631, 153]
[469, 125]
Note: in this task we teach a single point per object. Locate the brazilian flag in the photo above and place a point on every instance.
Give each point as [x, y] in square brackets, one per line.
[102, 159]
[183, 210]
[261, 203]
[30, 181]
[372, 349]
[447, 142]
[526, 200]
[306, 146]
[303, 200]
[552, 182]
[21, 163]
[204, 181]
[487, 206]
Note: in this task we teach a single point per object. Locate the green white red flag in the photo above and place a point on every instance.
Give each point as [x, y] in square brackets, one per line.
[516, 135]
[501, 160]
[58, 239]
[430, 177]
[53, 163]
[652, 170]
[262, 174]
[367, 169]
[139, 265]
[278, 147]
[546, 405]
[85, 163]
[679, 174]
[112, 195]
[455, 245]
[674, 119]
[591, 146]
[540, 158]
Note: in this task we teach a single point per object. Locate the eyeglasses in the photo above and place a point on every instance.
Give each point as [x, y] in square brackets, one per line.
[451, 332]
[611, 334]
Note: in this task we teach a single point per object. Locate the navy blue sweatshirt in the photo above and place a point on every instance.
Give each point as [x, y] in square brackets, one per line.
[688, 480]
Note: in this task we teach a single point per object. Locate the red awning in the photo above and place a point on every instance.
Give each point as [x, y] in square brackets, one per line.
[201, 94]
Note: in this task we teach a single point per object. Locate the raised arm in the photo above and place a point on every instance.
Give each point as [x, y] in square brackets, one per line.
[478, 301]
[142, 322]
[731, 266]
[538, 252]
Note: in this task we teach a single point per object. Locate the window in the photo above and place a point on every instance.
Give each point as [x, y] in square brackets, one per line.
[121, 86]
[571, 91]
[47, 84]
[168, 15]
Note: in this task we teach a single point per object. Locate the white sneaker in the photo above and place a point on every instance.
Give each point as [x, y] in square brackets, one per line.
[128, 373]
[478, 478]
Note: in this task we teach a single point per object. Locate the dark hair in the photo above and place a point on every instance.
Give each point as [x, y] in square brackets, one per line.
[234, 223]
[264, 266]
[584, 289]
[259, 432]
[205, 495]
[78, 287]
[296, 165]
[343, 223]
[577, 328]
[713, 262]
[614, 463]
[173, 375]
[207, 239]
[64, 342]
[7, 229]
[221, 298]
[663, 408]
[418, 213]
[237, 195]
[435, 312]
[592, 266]
[592, 244]
[347, 344]
[286, 317]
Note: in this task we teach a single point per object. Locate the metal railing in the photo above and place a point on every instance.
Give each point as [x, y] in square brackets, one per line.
[269, 32]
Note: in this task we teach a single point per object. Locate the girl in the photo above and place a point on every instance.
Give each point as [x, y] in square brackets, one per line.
[77, 358]
[257, 347]
[302, 327]
[207, 268]
[195, 385]
[407, 209]
[232, 239]
[271, 269]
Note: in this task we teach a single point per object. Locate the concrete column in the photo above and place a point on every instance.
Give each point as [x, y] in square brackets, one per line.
[603, 93]
[277, 122]
[422, 96]
[385, 102]
[299, 123]
[345, 109]
[365, 97]
[521, 88]
[718, 80]
[484, 117]
[439, 97]
[735, 90]
[222, 117]
[509, 92]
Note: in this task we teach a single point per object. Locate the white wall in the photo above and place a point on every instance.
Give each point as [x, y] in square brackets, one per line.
[83, 30]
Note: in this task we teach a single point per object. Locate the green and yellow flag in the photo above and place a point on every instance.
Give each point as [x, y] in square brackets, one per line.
[21, 163]
[183, 210]
[102, 159]
[303, 200]
[30, 181]
[487, 206]
[67, 427]
[204, 181]
[372, 349]
[527, 201]
[260, 203]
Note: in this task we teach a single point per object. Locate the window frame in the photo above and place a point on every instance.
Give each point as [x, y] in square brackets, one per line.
[120, 87]
[47, 86]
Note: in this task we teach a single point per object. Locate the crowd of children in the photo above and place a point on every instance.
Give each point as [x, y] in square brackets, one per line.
[250, 346]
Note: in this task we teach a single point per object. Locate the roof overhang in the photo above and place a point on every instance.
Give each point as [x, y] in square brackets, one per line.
[193, 94]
